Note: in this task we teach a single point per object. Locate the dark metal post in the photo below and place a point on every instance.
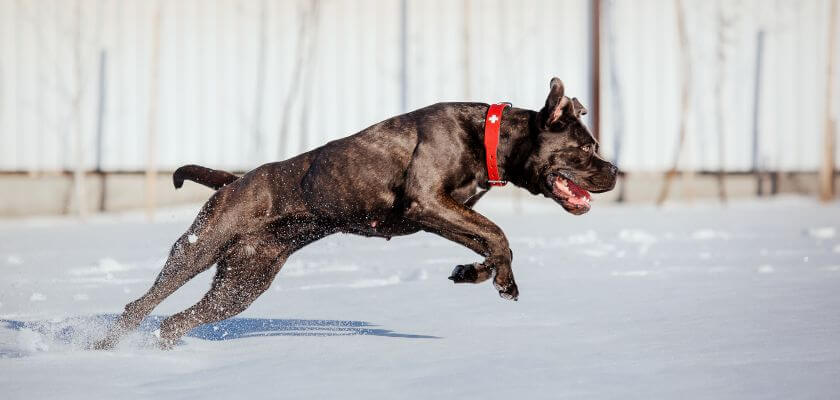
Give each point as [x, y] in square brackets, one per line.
[596, 69]
[404, 55]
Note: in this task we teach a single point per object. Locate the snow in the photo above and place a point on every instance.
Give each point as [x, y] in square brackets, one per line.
[14, 259]
[690, 302]
[765, 269]
[709, 234]
[37, 297]
[81, 297]
[824, 232]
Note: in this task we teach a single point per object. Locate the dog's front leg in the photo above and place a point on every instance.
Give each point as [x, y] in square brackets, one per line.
[446, 217]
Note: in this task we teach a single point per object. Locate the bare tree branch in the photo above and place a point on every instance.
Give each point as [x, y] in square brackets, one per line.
[684, 101]
[259, 86]
[309, 15]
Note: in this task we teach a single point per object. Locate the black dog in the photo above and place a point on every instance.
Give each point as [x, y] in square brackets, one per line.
[417, 171]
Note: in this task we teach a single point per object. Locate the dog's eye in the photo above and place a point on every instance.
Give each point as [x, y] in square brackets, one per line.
[587, 148]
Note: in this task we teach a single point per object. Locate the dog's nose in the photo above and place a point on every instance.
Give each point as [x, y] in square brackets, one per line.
[613, 169]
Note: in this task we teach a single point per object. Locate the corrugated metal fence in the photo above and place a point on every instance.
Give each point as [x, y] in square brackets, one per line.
[234, 83]
[643, 100]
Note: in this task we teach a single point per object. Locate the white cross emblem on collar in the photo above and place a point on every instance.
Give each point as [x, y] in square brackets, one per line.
[493, 118]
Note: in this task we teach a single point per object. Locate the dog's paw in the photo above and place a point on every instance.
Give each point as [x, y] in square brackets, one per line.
[464, 274]
[509, 291]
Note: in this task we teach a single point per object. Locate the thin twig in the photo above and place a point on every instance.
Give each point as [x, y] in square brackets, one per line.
[684, 102]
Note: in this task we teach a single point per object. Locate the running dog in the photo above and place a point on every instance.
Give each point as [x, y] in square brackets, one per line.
[420, 171]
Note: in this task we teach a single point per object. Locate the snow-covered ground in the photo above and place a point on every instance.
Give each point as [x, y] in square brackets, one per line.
[700, 301]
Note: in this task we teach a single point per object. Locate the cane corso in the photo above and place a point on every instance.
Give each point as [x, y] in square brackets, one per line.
[423, 170]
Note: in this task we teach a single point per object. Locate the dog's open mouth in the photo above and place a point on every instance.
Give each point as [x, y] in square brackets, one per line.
[571, 196]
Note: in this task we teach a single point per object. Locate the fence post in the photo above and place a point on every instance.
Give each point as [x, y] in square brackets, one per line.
[595, 46]
[827, 170]
[100, 116]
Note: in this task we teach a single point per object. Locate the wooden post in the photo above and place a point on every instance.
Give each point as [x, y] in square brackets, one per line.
[827, 170]
[100, 128]
[151, 143]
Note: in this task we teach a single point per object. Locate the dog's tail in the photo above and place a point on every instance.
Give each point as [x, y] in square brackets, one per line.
[211, 178]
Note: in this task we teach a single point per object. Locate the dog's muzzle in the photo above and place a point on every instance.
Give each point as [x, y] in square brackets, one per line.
[572, 197]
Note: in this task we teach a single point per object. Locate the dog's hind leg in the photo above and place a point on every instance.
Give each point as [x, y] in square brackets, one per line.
[194, 252]
[185, 262]
[242, 276]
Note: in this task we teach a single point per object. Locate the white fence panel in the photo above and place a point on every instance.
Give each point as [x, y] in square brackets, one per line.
[245, 82]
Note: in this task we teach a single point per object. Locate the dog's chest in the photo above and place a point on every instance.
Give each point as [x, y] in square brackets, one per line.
[391, 222]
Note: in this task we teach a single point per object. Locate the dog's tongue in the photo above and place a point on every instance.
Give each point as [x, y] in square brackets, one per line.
[577, 190]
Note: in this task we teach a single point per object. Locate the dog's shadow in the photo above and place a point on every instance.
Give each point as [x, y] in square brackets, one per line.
[81, 331]
[238, 328]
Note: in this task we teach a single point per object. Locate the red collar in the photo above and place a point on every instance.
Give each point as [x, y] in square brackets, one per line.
[492, 123]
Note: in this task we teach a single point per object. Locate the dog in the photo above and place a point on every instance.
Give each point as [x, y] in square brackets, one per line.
[420, 171]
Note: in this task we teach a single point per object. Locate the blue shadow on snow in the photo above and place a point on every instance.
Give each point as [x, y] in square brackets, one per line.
[229, 329]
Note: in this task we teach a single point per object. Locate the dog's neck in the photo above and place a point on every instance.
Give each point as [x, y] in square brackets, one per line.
[517, 128]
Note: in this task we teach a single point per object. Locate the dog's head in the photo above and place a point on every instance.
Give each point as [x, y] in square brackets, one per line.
[564, 163]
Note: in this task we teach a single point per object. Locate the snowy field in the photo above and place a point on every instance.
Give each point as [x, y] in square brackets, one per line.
[626, 302]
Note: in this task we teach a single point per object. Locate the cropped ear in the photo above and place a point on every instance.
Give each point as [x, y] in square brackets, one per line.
[555, 104]
[578, 108]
